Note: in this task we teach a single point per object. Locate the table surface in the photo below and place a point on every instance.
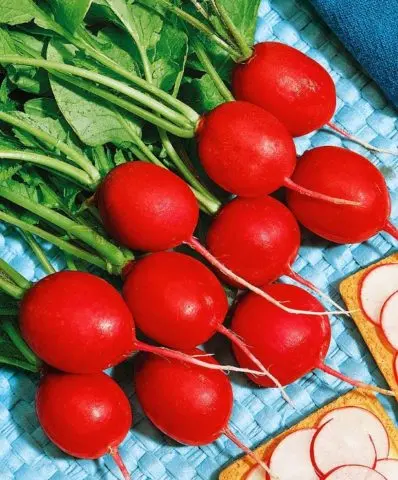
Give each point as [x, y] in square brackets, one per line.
[259, 414]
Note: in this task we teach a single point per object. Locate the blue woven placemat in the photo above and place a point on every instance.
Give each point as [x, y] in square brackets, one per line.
[25, 452]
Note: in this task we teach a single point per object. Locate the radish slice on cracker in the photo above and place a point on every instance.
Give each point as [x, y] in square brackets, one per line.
[256, 473]
[389, 320]
[337, 443]
[376, 287]
[388, 467]
[365, 421]
[291, 459]
[354, 472]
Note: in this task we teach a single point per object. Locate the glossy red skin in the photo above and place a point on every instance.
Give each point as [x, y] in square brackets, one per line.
[245, 149]
[257, 238]
[289, 345]
[146, 207]
[340, 173]
[190, 404]
[84, 415]
[175, 299]
[287, 83]
[77, 322]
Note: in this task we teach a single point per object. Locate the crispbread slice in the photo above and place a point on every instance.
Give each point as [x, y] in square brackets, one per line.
[355, 398]
[382, 352]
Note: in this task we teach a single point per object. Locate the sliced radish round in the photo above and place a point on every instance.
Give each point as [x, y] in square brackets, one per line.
[389, 320]
[365, 421]
[376, 287]
[256, 473]
[388, 467]
[336, 444]
[354, 472]
[291, 459]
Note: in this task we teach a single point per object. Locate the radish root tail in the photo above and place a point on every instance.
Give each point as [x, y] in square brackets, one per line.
[356, 383]
[114, 452]
[288, 183]
[198, 247]
[227, 432]
[357, 140]
[392, 230]
[242, 346]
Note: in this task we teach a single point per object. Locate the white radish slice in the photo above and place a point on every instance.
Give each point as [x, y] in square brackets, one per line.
[365, 421]
[354, 472]
[291, 459]
[256, 473]
[388, 467]
[389, 320]
[336, 444]
[376, 287]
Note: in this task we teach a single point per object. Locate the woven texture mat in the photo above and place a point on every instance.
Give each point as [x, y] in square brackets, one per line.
[25, 452]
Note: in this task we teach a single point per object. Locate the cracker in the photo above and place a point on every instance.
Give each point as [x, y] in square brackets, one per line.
[355, 398]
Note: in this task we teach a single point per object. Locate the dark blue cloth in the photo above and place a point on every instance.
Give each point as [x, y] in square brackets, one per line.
[369, 30]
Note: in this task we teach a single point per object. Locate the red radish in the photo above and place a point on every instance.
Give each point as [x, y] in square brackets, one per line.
[389, 320]
[248, 152]
[289, 345]
[376, 286]
[264, 246]
[339, 172]
[256, 473]
[291, 459]
[79, 323]
[87, 416]
[364, 421]
[291, 86]
[191, 405]
[336, 444]
[146, 207]
[354, 472]
[178, 302]
[388, 467]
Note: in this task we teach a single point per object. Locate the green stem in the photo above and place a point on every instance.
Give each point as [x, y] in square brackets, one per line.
[15, 276]
[70, 263]
[10, 329]
[84, 233]
[237, 36]
[70, 171]
[211, 71]
[194, 22]
[11, 289]
[39, 253]
[126, 105]
[105, 165]
[13, 362]
[70, 152]
[9, 311]
[60, 243]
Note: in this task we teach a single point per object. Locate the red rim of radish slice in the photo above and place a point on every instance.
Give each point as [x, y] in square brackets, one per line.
[374, 291]
[389, 320]
[388, 467]
[368, 421]
[395, 367]
[354, 472]
[335, 445]
[297, 448]
[256, 473]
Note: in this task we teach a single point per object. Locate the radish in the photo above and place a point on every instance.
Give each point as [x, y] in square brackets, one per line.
[256, 473]
[289, 345]
[389, 320]
[336, 444]
[79, 323]
[248, 152]
[354, 472]
[365, 421]
[291, 459]
[86, 416]
[264, 246]
[178, 302]
[189, 404]
[291, 86]
[146, 207]
[376, 286]
[337, 171]
[388, 467]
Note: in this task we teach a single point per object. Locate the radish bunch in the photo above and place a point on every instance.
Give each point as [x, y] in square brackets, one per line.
[347, 443]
